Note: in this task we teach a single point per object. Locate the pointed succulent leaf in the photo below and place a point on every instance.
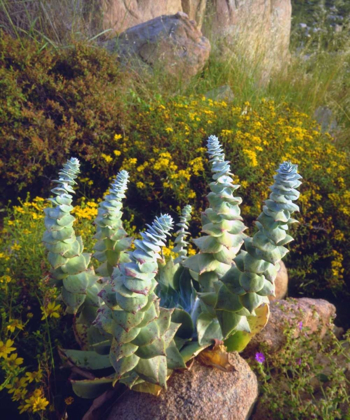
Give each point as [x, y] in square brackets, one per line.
[91, 388]
[239, 340]
[208, 329]
[153, 370]
[86, 359]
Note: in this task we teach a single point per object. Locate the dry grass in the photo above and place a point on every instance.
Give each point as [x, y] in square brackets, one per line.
[56, 21]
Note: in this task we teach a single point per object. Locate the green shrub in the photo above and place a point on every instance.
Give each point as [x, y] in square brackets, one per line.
[53, 104]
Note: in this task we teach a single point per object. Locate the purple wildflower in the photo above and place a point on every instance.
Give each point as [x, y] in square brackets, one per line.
[259, 357]
[300, 325]
[299, 361]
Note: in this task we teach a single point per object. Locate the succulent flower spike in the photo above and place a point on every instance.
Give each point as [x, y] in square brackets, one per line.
[221, 223]
[141, 331]
[69, 263]
[180, 242]
[247, 285]
[112, 238]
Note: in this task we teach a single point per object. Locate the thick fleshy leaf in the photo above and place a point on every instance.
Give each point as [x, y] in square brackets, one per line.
[251, 282]
[268, 289]
[169, 334]
[231, 281]
[201, 263]
[208, 329]
[191, 350]
[77, 264]
[240, 339]
[148, 388]
[122, 336]
[77, 283]
[127, 320]
[86, 359]
[156, 348]
[174, 358]
[119, 351]
[56, 260]
[228, 322]
[91, 388]
[153, 370]
[228, 301]
[147, 334]
[166, 272]
[251, 301]
[208, 244]
[129, 301]
[253, 265]
[72, 300]
[182, 317]
[124, 365]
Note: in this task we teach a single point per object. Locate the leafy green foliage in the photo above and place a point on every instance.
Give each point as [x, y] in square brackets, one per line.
[53, 104]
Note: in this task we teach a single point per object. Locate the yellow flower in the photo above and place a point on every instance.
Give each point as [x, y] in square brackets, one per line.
[18, 389]
[191, 194]
[51, 310]
[34, 376]
[36, 402]
[69, 400]
[118, 137]
[117, 152]
[5, 279]
[14, 360]
[169, 130]
[140, 185]
[16, 247]
[6, 349]
[15, 323]
[107, 158]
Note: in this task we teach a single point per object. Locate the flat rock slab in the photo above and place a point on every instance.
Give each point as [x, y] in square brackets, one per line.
[201, 393]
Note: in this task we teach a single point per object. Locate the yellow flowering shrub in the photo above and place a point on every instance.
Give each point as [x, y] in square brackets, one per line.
[165, 155]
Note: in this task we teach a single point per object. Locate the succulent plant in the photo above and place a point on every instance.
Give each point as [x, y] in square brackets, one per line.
[142, 332]
[223, 226]
[70, 266]
[181, 245]
[221, 223]
[155, 314]
[112, 238]
[247, 285]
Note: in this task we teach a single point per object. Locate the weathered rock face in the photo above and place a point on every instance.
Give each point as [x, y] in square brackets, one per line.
[123, 14]
[312, 313]
[258, 28]
[173, 43]
[200, 393]
[281, 283]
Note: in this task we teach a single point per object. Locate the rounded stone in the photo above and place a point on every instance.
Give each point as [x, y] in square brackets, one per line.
[199, 393]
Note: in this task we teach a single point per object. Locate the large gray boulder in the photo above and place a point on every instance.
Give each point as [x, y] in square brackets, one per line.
[200, 393]
[173, 44]
[255, 29]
